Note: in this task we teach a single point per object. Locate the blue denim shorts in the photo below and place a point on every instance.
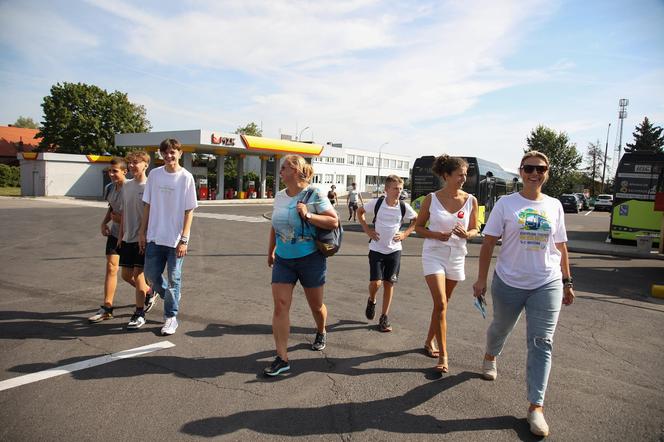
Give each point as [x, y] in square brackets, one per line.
[309, 270]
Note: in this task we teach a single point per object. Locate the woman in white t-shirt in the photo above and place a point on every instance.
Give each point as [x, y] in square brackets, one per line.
[532, 273]
[452, 217]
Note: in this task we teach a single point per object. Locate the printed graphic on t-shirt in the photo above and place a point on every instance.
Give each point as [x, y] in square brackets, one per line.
[166, 188]
[535, 229]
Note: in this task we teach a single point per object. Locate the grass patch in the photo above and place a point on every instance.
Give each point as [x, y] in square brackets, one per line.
[10, 191]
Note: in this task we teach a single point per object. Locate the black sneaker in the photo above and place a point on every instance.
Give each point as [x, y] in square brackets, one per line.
[137, 320]
[150, 300]
[370, 312]
[319, 342]
[384, 324]
[277, 367]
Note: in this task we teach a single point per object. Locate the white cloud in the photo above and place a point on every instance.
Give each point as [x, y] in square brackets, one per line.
[41, 35]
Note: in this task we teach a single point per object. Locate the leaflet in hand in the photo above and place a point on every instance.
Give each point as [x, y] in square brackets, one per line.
[480, 304]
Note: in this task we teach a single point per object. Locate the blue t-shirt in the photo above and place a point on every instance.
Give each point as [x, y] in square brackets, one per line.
[292, 240]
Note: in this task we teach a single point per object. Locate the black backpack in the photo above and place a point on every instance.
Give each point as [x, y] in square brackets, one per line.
[328, 242]
[379, 202]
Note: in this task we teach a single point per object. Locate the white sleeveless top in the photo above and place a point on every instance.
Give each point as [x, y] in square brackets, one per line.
[440, 220]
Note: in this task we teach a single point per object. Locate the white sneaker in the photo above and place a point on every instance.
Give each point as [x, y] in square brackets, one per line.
[538, 425]
[170, 326]
[489, 370]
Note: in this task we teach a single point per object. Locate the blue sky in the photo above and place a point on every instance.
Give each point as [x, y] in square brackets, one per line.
[429, 77]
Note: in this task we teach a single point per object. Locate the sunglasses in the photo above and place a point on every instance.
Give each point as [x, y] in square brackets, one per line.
[528, 168]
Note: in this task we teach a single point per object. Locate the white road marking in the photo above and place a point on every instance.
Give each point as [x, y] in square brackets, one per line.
[224, 216]
[102, 204]
[69, 368]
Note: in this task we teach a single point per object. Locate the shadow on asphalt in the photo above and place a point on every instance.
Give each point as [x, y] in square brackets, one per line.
[216, 330]
[37, 325]
[389, 414]
[604, 280]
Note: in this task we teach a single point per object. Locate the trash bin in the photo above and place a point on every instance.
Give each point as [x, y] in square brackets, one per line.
[643, 243]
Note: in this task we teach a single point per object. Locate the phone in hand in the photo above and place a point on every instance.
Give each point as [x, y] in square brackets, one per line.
[480, 304]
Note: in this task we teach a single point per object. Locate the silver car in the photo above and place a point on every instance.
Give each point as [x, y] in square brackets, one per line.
[604, 202]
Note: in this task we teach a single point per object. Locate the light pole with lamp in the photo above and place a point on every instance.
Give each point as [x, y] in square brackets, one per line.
[299, 137]
[380, 161]
[606, 151]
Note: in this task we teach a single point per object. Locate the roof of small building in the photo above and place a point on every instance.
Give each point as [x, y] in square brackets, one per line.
[11, 137]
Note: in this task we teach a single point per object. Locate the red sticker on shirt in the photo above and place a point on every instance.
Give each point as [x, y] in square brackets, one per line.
[460, 214]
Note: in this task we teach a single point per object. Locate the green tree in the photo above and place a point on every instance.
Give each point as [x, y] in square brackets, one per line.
[594, 160]
[563, 157]
[646, 137]
[230, 166]
[83, 119]
[26, 123]
[250, 129]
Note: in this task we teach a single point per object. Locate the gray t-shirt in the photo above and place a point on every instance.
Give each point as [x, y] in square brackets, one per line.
[114, 198]
[132, 209]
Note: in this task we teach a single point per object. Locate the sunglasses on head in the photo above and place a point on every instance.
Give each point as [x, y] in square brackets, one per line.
[529, 168]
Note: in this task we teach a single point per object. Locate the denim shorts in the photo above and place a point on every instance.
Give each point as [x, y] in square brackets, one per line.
[309, 270]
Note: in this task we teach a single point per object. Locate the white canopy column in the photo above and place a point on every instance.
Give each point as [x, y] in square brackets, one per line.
[221, 162]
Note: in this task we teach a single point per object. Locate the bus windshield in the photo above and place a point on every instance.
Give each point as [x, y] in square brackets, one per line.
[640, 175]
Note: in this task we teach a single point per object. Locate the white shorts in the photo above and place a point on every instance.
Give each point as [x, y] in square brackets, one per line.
[449, 261]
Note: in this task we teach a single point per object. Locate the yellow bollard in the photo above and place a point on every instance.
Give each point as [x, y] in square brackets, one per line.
[657, 291]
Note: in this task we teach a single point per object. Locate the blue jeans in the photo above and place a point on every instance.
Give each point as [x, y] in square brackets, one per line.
[156, 258]
[542, 308]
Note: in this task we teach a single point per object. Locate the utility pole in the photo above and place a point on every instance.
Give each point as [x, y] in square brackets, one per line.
[380, 160]
[622, 114]
[606, 152]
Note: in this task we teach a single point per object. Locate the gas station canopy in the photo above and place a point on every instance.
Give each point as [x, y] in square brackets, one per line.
[219, 143]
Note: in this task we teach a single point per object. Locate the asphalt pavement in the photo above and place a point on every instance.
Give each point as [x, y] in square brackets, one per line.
[606, 381]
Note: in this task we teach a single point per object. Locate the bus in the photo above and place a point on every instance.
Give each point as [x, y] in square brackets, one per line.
[487, 181]
[640, 175]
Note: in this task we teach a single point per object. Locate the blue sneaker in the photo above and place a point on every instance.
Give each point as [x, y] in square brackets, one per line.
[277, 367]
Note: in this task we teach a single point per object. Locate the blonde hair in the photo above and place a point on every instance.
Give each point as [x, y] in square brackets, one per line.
[138, 155]
[393, 179]
[304, 170]
[534, 154]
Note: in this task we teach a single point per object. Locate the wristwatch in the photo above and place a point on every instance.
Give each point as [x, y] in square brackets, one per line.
[184, 240]
[568, 282]
[308, 215]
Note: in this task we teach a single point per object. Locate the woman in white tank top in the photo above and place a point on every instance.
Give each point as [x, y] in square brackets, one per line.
[452, 217]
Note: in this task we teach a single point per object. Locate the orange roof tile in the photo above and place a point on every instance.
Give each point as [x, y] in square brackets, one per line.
[11, 136]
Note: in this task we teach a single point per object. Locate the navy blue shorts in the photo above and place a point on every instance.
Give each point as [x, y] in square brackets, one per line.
[384, 267]
[309, 270]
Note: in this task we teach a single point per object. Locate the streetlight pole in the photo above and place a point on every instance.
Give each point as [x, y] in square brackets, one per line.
[299, 137]
[380, 161]
[606, 152]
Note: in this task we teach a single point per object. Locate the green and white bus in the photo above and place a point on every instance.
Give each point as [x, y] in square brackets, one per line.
[640, 175]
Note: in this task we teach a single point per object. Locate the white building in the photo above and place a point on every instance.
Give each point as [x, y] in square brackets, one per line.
[343, 166]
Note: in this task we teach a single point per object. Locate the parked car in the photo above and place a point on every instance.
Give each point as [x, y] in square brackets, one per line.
[584, 201]
[604, 202]
[570, 202]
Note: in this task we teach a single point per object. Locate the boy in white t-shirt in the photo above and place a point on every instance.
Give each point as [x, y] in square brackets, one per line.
[170, 200]
[385, 245]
